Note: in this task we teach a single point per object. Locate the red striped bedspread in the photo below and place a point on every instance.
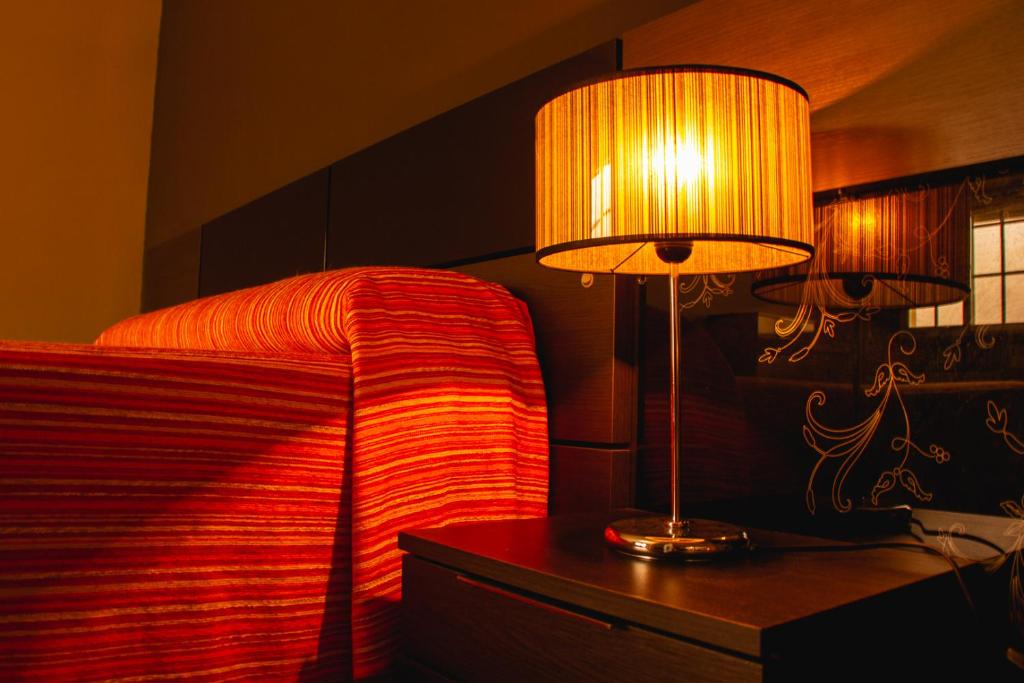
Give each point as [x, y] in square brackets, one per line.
[214, 491]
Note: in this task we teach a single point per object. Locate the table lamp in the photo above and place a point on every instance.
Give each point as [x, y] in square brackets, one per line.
[675, 171]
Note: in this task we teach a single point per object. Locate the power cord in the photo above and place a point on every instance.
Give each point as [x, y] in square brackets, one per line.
[919, 546]
[956, 534]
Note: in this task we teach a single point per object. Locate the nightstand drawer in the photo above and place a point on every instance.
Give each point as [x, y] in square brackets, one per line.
[474, 630]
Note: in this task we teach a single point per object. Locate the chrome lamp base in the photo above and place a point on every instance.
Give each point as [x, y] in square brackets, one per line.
[690, 539]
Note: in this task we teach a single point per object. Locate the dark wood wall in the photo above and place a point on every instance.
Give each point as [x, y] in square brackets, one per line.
[587, 342]
[455, 189]
[458, 187]
[274, 237]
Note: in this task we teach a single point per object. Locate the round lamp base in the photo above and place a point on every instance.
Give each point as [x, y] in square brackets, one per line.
[692, 539]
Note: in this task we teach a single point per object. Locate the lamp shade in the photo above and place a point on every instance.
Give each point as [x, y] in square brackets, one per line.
[893, 250]
[714, 160]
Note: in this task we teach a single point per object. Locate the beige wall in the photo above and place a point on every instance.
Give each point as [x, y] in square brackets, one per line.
[77, 80]
[252, 95]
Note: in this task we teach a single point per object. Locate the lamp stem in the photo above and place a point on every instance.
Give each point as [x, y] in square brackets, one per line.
[675, 394]
[659, 536]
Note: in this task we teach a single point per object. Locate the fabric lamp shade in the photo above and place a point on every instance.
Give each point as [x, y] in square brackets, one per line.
[894, 250]
[712, 158]
[671, 171]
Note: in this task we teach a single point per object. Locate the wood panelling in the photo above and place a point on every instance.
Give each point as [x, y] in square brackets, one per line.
[590, 479]
[171, 272]
[456, 187]
[586, 342]
[274, 237]
[896, 88]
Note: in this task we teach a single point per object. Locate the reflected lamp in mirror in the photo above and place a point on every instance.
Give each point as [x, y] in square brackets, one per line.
[673, 171]
[894, 250]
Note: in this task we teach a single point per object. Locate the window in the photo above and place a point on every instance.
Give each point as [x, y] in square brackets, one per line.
[997, 277]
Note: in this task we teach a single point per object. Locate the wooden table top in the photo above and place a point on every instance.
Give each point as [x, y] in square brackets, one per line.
[739, 605]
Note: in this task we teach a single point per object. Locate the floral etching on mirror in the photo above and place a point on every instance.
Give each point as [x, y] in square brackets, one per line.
[818, 294]
[703, 289]
[846, 445]
[998, 423]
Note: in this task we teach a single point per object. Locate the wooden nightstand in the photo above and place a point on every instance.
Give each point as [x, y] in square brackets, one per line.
[544, 600]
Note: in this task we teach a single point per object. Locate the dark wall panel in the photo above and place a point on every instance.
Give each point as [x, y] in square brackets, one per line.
[456, 187]
[170, 272]
[586, 343]
[590, 479]
[276, 236]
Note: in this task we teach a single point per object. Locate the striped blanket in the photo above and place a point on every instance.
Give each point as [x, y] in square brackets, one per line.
[213, 491]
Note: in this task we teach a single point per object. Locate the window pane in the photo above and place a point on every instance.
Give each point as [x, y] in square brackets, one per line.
[1013, 233]
[987, 258]
[950, 314]
[1015, 298]
[922, 317]
[987, 296]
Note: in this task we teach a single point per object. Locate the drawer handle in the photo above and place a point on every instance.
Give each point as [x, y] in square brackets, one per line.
[603, 625]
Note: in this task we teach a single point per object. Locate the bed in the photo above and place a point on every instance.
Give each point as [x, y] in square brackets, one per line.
[213, 490]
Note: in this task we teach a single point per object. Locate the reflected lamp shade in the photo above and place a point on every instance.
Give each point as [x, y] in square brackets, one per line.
[713, 159]
[894, 250]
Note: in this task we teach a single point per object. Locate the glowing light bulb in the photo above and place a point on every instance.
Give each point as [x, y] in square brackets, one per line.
[688, 162]
[864, 221]
[678, 162]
